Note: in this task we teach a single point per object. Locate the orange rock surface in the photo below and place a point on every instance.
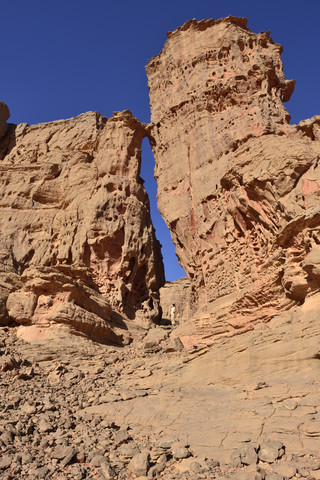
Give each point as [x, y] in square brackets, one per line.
[237, 185]
[77, 243]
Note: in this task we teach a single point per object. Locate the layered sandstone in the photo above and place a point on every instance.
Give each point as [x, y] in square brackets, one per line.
[237, 185]
[179, 293]
[77, 243]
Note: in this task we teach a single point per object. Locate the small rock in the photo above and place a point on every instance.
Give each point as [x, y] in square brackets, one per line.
[97, 460]
[290, 404]
[235, 459]
[285, 469]
[156, 335]
[121, 436]
[106, 470]
[80, 457]
[7, 437]
[244, 456]
[29, 409]
[247, 473]
[159, 467]
[43, 472]
[139, 464]
[5, 462]
[151, 347]
[8, 362]
[271, 450]
[166, 443]
[179, 451]
[128, 450]
[109, 397]
[144, 373]
[249, 455]
[26, 458]
[44, 425]
[77, 472]
[196, 467]
[127, 395]
[68, 457]
[60, 452]
[274, 476]
[140, 393]
[175, 345]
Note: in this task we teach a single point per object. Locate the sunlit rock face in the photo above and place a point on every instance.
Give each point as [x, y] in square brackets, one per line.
[76, 241]
[237, 185]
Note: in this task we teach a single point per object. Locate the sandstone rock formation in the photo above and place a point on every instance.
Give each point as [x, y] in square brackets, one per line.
[239, 188]
[179, 293]
[237, 185]
[76, 239]
[4, 115]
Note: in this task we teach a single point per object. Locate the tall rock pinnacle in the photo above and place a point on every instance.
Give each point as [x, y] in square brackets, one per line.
[237, 185]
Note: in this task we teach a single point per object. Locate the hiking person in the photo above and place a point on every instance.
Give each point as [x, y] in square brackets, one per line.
[172, 314]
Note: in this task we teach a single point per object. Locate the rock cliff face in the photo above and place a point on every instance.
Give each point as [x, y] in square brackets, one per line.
[77, 243]
[237, 185]
[177, 292]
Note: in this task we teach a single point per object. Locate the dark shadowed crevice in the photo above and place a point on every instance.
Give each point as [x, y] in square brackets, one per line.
[173, 271]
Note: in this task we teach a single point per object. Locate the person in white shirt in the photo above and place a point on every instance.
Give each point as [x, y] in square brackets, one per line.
[172, 314]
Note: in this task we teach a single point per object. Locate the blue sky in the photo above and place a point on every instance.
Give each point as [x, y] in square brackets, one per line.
[63, 58]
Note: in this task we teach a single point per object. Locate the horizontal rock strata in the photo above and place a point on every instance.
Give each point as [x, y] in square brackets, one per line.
[237, 185]
[76, 240]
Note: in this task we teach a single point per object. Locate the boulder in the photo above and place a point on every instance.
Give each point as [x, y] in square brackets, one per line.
[271, 450]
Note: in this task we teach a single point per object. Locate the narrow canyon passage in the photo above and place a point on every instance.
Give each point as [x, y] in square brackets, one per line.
[173, 271]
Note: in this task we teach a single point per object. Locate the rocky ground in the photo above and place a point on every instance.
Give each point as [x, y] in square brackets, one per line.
[54, 425]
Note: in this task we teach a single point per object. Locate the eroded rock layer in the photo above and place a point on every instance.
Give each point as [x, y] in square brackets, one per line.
[77, 243]
[237, 185]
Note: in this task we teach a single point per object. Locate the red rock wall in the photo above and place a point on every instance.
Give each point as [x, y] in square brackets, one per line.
[237, 185]
[76, 241]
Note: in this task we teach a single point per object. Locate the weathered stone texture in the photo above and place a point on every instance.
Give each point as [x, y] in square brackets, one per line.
[237, 185]
[179, 293]
[77, 243]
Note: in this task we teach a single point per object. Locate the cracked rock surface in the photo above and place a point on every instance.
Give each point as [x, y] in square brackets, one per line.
[244, 407]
